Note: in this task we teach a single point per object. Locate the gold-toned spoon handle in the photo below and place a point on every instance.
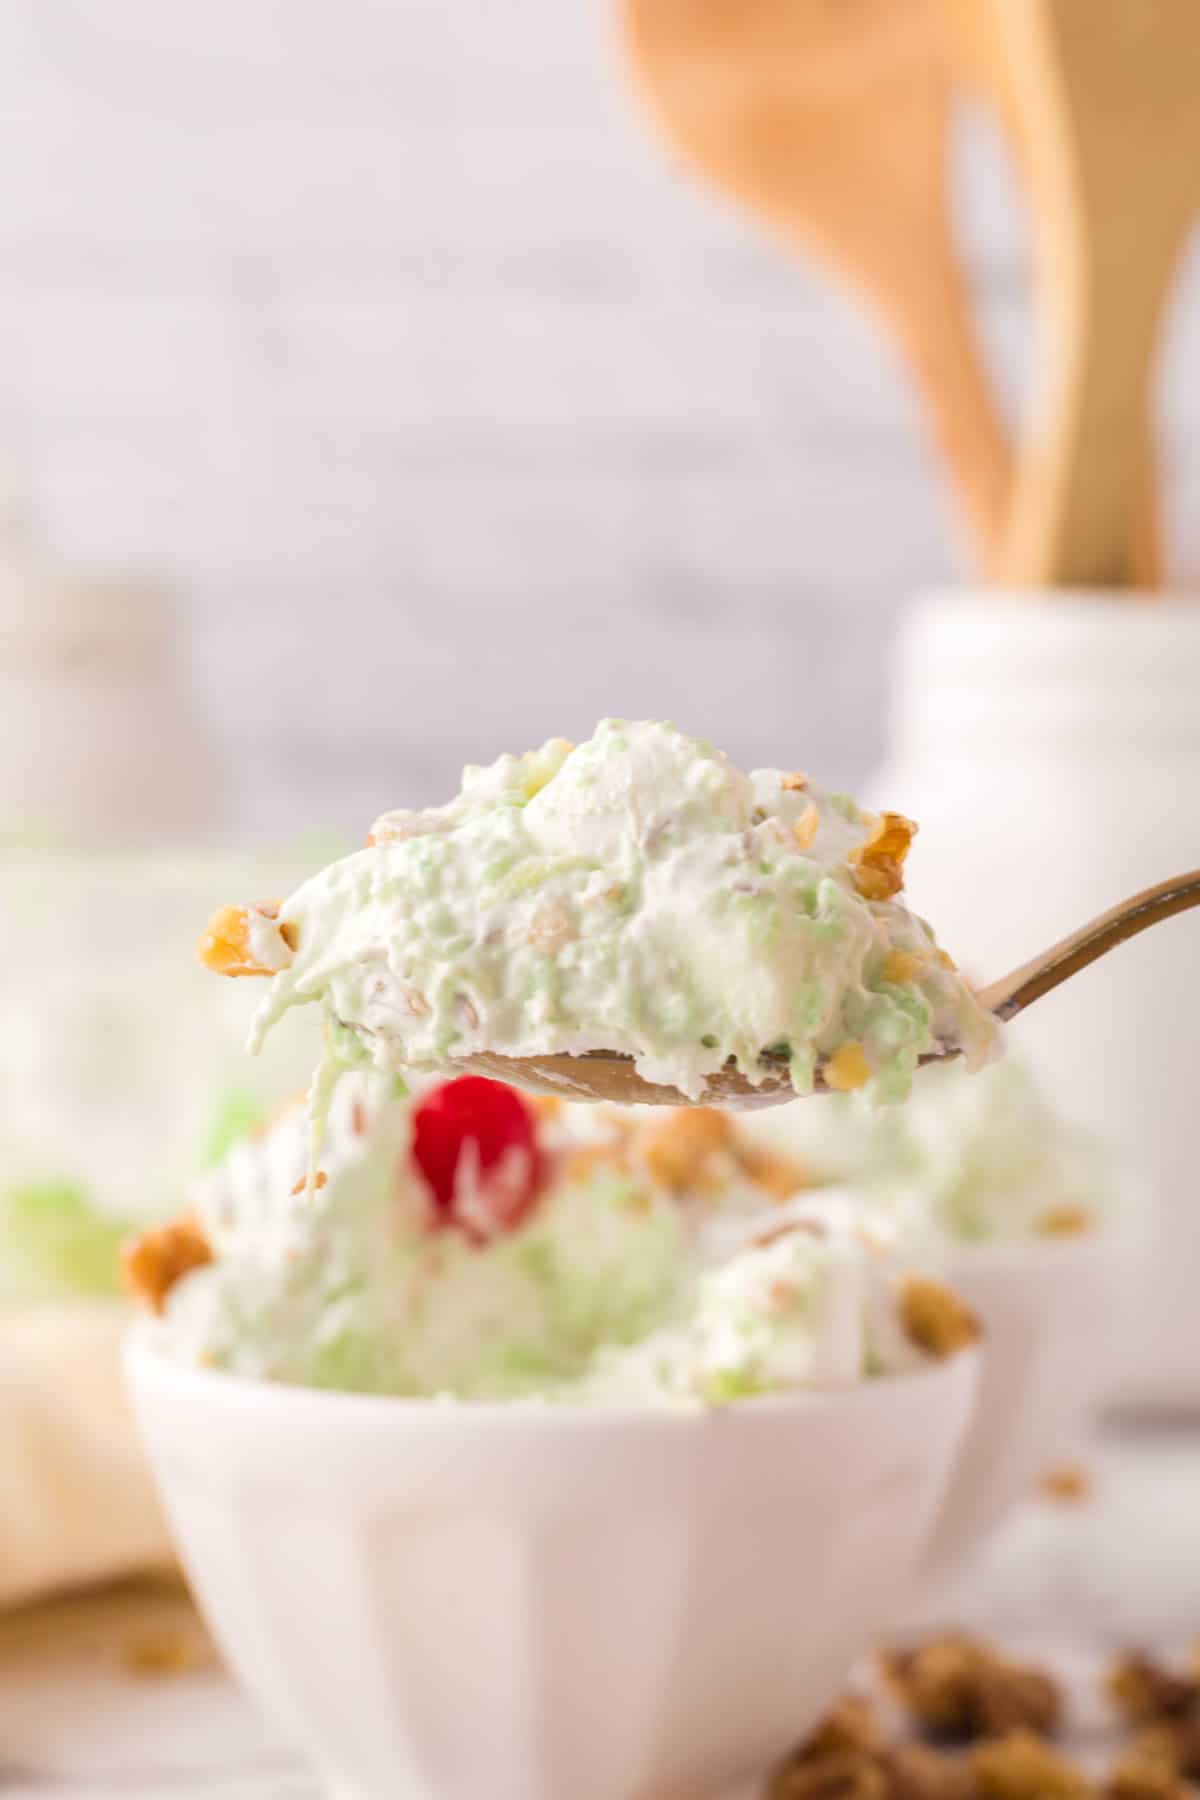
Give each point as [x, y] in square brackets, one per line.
[1013, 993]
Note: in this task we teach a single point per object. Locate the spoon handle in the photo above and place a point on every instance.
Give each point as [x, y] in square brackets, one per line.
[1013, 993]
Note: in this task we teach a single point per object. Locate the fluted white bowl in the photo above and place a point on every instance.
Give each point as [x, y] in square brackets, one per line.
[542, 1603]
[1051, 1320]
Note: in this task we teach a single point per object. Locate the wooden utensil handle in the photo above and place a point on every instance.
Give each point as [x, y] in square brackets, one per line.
[960, 405]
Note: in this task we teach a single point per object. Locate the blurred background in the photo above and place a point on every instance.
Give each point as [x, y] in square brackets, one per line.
[451, 413]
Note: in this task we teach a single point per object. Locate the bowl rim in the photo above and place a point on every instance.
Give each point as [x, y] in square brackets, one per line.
[145, 1362]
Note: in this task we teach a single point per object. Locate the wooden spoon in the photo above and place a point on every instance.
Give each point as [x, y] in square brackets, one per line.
[828, 120]
[1108, 98]
[982, 55]
[603, 1075]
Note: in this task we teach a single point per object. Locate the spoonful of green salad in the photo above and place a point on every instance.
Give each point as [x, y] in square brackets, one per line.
[635, 919]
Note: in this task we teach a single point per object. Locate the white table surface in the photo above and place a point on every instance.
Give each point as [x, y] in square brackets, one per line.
[1070, 1582]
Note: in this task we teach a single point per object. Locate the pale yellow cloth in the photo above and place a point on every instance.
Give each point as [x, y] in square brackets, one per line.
[76, 1502]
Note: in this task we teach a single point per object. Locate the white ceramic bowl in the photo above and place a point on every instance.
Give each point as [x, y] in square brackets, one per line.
[535, 1602]
[1050, 1316]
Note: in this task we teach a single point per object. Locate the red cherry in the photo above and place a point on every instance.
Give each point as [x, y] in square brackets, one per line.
[475, 1143]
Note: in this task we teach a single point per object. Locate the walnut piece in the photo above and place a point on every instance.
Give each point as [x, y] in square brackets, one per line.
[804, 829]
[935, 1319]
[228, 943]
[154, 1262]
[959, 1689]
[1022, 1766]
[676, 1149]
[780, 1176]
[1066, 1221]
[901, 965]
[1066, 1483]
[918, 1772]
[877, 865]
[1145, 1691]
[850, 1724]
[836, 1775]
[1148, 1770]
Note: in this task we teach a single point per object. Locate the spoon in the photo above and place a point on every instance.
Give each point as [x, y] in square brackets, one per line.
[829, 122]
[603, 1075]
[1110, 132]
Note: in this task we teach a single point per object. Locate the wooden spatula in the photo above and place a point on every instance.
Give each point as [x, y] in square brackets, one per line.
[1108, 98]
[978, 42]
[828, 119]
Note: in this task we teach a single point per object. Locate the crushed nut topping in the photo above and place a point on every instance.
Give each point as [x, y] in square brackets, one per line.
[1171, 1744]
[1145, 1691]
[935, 1319]
[1022, 1766]
[1065, 1483]
[838, 1775]
[850, 1724]
[901, 965]
[877, 866]
[1065, 1221]
[154, 1262]
[676, 1149]
[917, 1772]
[781, 1176]
[319, 1181]
[847, 1068]
[793, 782]
[1140, 1776]
[226, 944]
[958, 1688]
[804, 829]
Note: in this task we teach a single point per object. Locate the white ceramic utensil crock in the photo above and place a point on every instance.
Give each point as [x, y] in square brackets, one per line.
[1050, 748]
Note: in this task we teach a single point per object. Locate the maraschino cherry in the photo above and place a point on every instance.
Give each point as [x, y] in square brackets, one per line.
[475, 1143]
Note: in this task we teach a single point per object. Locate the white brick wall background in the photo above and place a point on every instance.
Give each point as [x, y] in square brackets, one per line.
[454, 416]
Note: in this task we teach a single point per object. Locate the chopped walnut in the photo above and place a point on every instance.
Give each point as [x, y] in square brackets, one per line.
[918, 1772]
[1145, 1691]
[236, 937]
[847, 1068]
[1065, 1483]
[584, 1161]
[958, 1688]
[935, 1319]
[836, 1775]
[319, 1181]
[1172, 1741]
[902, 965]
[794, 782]
[850, 1724]
[154, 1262]
[1022, 1766]
[804, 829]
[676, 1149]
[1148, 1770]
[781, 1176]
[878, 864]
[1066, 1221]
